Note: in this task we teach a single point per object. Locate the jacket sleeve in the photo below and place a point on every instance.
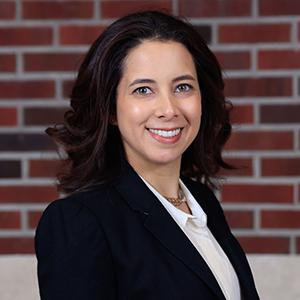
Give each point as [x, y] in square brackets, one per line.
[74, 259]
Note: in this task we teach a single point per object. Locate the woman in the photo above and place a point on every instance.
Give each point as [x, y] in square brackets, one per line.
[148, 114]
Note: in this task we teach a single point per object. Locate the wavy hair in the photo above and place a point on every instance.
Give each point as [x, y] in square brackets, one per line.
[94, 148]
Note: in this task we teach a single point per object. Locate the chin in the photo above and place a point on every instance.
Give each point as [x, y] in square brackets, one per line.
[165, 160]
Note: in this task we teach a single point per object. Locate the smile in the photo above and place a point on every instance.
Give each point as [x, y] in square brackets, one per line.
[164, 133]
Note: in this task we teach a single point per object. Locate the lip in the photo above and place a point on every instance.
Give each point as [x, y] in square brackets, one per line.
[166, 140]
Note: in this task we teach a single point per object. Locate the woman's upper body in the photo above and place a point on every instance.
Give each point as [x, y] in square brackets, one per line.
[121, 243]
[149, 93]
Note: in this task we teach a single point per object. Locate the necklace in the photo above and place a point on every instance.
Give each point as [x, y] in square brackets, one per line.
[177, 201]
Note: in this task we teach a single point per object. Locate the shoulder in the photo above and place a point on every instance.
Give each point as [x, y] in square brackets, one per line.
[82, 200]
[80, 208]
[73, 220]
[69, 240]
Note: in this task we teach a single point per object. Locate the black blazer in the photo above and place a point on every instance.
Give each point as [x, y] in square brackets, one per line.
[121, 243]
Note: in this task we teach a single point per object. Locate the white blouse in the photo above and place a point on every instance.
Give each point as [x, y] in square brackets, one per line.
[195, 228]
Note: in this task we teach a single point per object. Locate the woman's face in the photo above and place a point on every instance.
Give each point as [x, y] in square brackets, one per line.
[158, 103]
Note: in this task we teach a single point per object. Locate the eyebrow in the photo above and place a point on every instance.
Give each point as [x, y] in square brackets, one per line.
[141, 80]
[184, 77]
[146, 80]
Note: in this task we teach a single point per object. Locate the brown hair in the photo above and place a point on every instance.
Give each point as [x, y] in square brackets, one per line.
[94, 147]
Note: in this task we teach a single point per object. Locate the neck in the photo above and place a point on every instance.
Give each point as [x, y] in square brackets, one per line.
[163, 177]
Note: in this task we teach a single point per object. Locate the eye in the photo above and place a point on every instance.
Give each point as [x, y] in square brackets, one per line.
[183, 88]
[142, 90]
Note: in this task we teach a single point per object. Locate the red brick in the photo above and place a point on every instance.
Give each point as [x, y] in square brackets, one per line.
[33, 218]
[79, 35]
[44, 168]
[279, 7]
[25, 36]
[257, 33]
[52, 62]
[264, 244]
[278, 59]
[242, 114]
[10, 169]
[260, 140]
[57, 9]
[21, 245]
[27, 89]
[280, 219]
[243, 165]
[26, 142]
[27, 194]
[234, 60]
[7, 10]
[280, 167]
[280, 113]
[204, 31]
[258, 87]
[44, 115]
[215, 8]
[257, 193]
[115, 9]
[239, 219]
[67, 88]
[8, 116]
[7, 63]
[10, 220]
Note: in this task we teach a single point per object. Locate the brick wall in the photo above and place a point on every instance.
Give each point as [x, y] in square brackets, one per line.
[257, 43]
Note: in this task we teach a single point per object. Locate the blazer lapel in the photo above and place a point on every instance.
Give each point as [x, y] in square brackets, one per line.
[226, 240]
[163, 227]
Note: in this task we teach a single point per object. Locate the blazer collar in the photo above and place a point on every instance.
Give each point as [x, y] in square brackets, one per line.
[163, 227]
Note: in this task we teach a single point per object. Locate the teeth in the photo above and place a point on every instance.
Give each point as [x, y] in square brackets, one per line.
[164, 133]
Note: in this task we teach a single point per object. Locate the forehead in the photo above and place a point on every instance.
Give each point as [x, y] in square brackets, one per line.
[159, 56]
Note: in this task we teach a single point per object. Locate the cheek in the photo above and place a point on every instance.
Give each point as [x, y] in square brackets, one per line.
[137, 111]
[130, 116]
[133, 114]
[195, 111]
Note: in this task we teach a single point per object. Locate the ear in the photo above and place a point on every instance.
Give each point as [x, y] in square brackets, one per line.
[113, 120]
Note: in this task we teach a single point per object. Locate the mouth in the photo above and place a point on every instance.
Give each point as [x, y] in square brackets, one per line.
[166, 133]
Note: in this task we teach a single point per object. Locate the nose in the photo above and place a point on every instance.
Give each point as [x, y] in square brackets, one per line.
[166, 107]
